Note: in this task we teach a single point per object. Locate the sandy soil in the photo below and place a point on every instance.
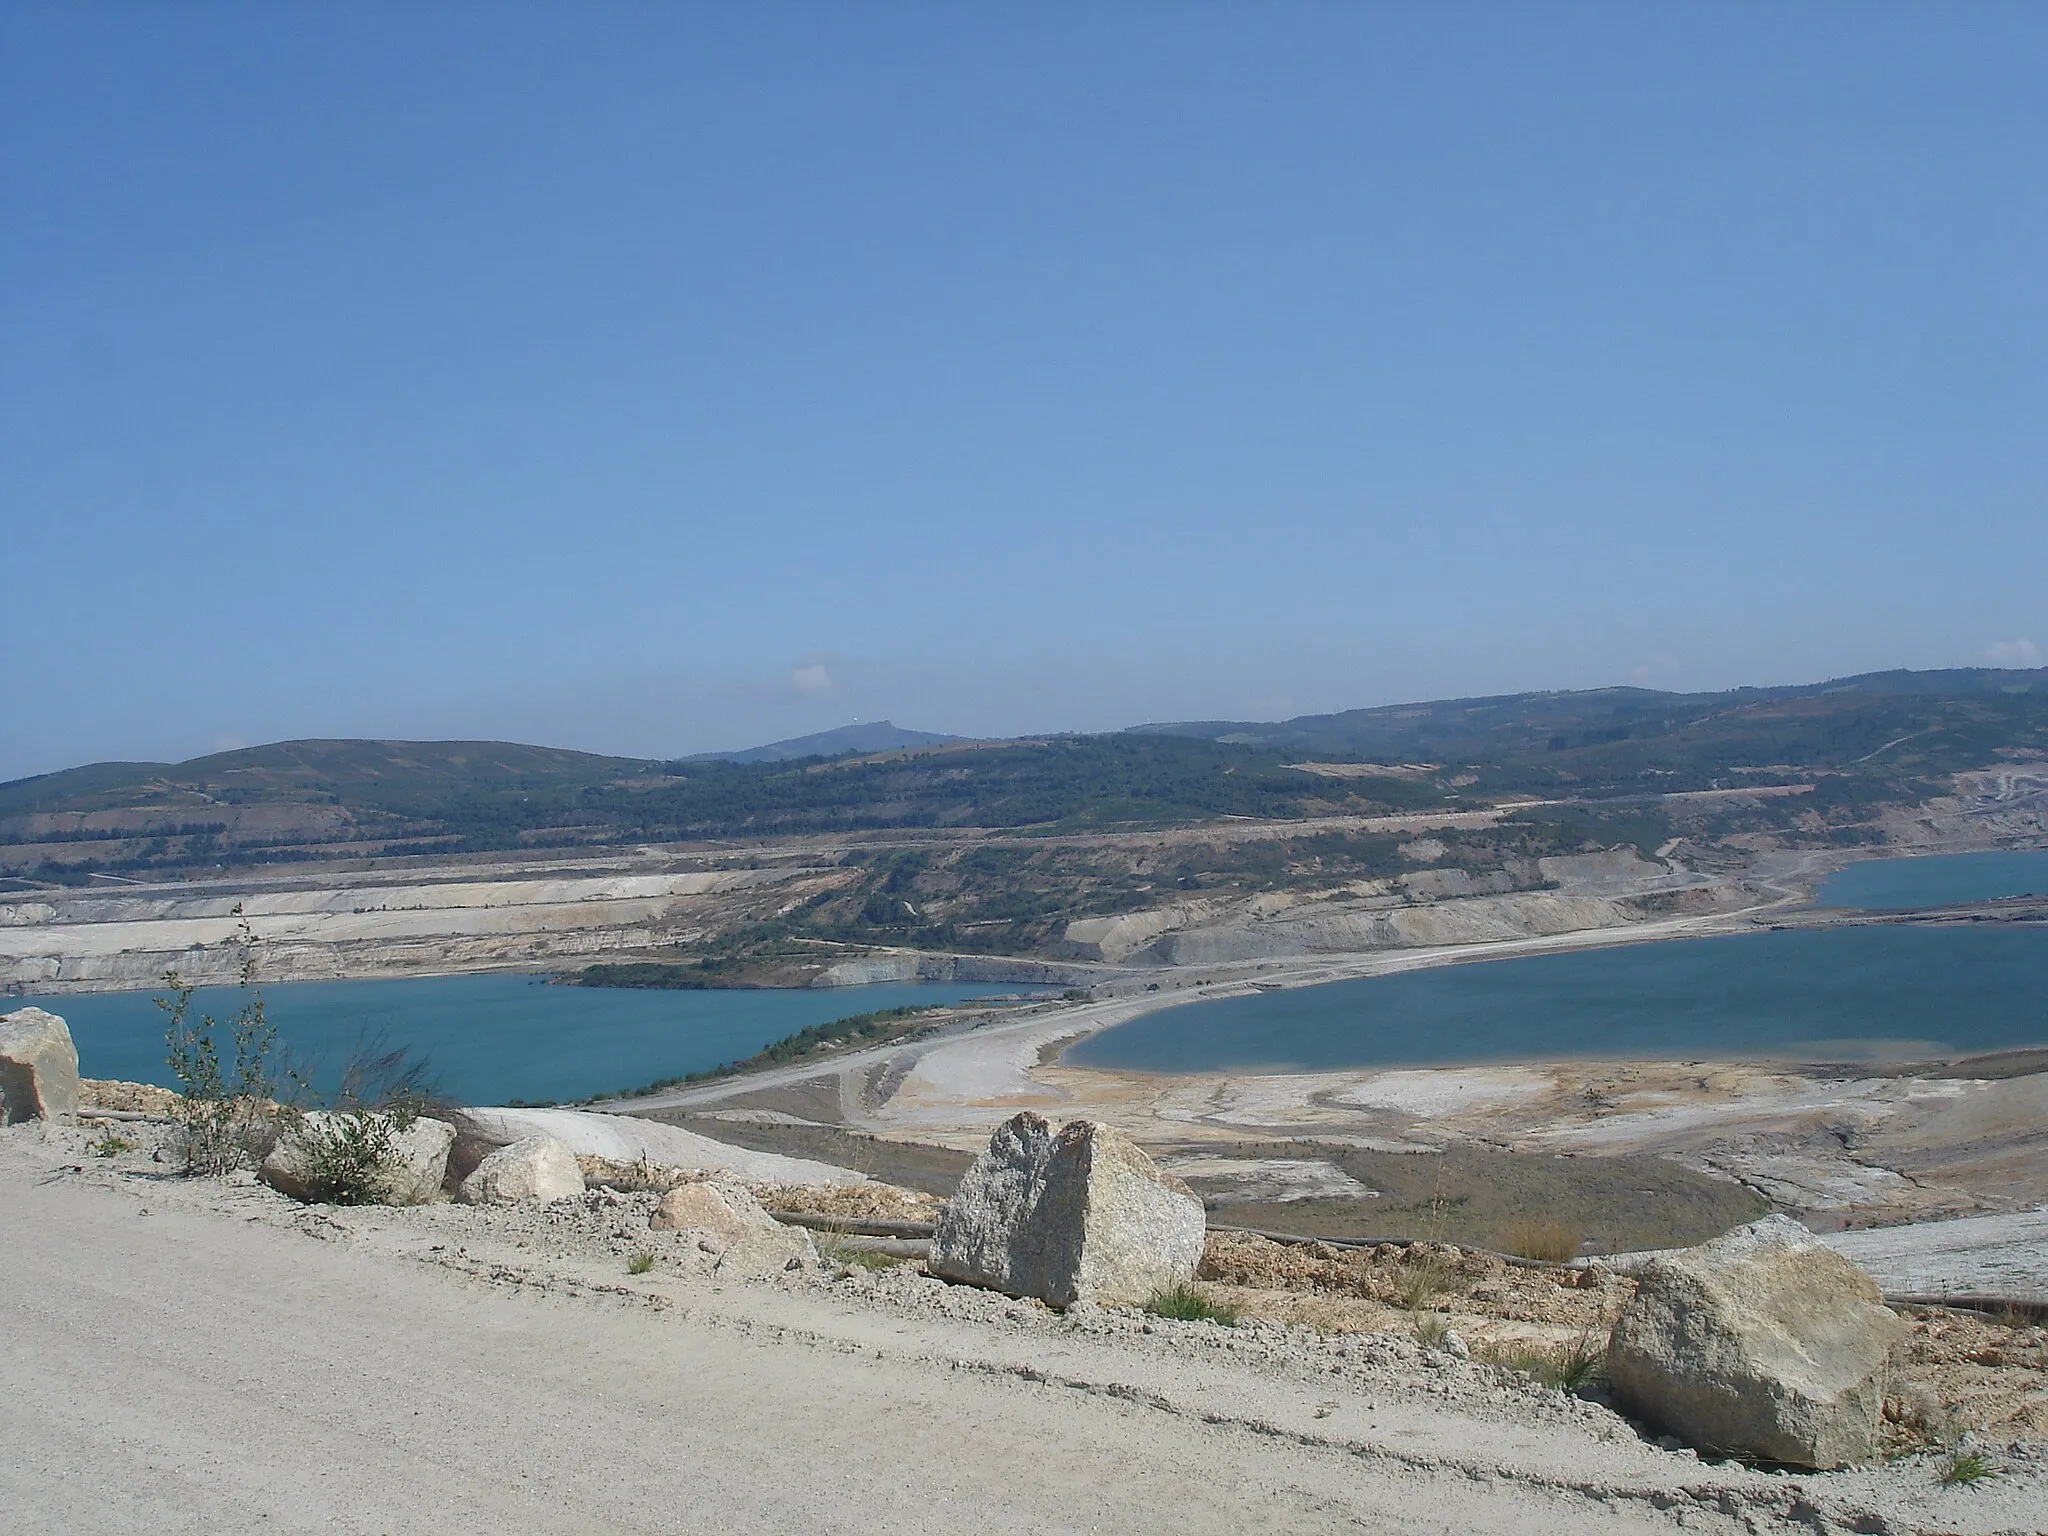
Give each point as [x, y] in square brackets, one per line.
[209, 1357]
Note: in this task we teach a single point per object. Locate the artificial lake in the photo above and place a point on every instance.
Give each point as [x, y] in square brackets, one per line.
[1835, 995]
[493, 1038]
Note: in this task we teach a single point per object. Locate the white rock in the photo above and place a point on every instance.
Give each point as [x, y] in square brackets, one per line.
[629, 1139]
[38, 1068]
[536, 1168]
[766, 1251]
[1763, 1343]
[723, 1210]
[1083, 1215]
[414, 1175]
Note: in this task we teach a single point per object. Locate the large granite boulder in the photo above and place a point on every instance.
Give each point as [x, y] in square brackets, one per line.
[534, 1168]
[411, 1175]
[1083, 1215]
[1761, 1343]
[38, 1068]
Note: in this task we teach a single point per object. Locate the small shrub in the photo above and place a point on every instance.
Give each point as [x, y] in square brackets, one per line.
[350, 1155]
[1553, 1241]
[1964, 1468]
[1431, 1329]
[111, 1145]
[1567, 1367]
[222, 1109]
[640, 1263]
[1186, 1304]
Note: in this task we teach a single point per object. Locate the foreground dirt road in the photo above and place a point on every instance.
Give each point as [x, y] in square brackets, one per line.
[197, 1357]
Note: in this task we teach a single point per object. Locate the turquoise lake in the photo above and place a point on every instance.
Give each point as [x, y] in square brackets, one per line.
[1846, 994]
[1938, 881]
[496, 1037]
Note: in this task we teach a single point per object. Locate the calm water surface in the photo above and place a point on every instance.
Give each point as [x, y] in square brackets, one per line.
[1938, 881]
[1844, 994]
[493, 1038]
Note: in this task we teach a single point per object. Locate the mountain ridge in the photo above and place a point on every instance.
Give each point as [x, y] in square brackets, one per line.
[1849, 743]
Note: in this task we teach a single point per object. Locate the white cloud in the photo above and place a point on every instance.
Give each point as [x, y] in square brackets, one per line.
[1661, 665]
[2013, 653]
[809, 677]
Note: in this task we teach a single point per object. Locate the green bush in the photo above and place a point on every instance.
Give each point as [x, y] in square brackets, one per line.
[349, 1156]
[1965, 1468]
[1186, 1304]
[223, 1110]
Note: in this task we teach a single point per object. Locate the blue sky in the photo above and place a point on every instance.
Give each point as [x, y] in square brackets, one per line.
[655, 378]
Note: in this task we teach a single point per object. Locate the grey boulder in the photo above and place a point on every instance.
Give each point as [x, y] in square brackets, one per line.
[1083, 1215]
[534, 1168]
[38, 1068]
[412, 1175]
[1761, 1343]
[764, 1252]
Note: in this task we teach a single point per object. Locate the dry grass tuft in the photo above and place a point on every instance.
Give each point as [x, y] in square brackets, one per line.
[1553, 1241]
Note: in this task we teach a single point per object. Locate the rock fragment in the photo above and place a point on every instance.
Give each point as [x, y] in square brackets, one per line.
[38, 1068]
[1761, 1343]
[1083, 1215]
[767, 1251]
[723, 1210]
[534, 1168]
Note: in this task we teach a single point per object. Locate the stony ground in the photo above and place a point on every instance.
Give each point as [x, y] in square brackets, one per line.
[287, 1340]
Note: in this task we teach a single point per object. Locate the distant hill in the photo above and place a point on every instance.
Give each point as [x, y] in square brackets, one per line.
[360, 771]
[1958, 713]
[1852, 744]
[864, 736]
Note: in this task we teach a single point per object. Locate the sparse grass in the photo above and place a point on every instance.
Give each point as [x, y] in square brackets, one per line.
[640, 1177]
[640, 1263]
[1186, 1304]
[1964, 1468]
[1431, 1328]
[1553, 1241]
[1422, 1281]
[835, 1248]
[110, 1145]
[1566, 1367]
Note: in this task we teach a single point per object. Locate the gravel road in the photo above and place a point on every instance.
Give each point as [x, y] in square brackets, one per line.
[195, 1356]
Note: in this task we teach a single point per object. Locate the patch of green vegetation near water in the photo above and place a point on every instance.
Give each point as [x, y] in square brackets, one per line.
[859, 1029]
[652, 975]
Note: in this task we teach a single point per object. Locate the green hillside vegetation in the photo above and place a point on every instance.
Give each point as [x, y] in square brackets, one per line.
[1859, 744]
[1612, 740]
